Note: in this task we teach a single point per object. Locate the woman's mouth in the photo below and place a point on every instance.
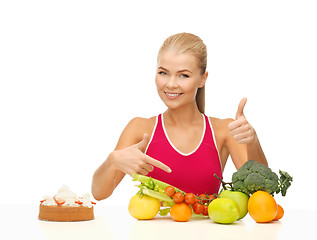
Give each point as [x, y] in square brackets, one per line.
[171, 95]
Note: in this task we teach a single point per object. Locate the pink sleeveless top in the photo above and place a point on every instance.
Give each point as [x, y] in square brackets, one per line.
[192, 172]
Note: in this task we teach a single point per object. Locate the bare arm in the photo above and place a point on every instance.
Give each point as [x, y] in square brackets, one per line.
[107, 177]
[255, 151]
[242, 152]
[128, 157]
[243, 144]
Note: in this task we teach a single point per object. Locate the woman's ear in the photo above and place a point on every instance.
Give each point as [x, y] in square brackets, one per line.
[203, 80]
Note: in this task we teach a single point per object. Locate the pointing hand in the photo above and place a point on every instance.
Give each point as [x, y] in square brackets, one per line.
[132, 159]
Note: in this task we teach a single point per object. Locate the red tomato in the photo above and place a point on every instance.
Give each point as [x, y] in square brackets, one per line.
[178, 197]
[203, 198]
[205, 211]
[198, 208]
[211, 197]
[190, 198]
[169, 191]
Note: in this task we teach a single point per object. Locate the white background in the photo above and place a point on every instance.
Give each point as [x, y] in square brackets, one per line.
[73, 73]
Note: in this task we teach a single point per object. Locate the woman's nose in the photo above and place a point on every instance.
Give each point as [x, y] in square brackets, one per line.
[172, 83]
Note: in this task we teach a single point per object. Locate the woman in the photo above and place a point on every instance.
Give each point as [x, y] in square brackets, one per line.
[182, 146]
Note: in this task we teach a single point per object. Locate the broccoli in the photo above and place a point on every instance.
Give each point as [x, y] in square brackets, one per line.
[254, 176]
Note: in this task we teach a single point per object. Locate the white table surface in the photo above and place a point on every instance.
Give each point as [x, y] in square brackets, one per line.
[114, 222]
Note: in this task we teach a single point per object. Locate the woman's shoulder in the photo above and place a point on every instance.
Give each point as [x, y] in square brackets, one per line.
[141, 125]
[220, 125]
[135, 130]
[220, 121]
[141, 122]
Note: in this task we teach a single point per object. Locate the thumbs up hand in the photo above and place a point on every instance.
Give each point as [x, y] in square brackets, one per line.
[240, 128]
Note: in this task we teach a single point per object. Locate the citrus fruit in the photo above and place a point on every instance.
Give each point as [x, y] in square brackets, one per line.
[280, 213]
[262, 207]
[144, 207]
[181, 212]
[223, 210]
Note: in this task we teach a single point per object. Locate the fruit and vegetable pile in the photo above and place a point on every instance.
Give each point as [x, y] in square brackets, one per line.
[251, 191]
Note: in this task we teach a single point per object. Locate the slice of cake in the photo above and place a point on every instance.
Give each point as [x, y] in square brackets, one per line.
[66, 206]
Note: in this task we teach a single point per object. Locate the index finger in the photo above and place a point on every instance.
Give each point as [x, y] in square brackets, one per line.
[158, 164]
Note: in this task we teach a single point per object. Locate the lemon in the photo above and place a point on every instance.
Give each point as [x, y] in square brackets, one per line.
[144, 207]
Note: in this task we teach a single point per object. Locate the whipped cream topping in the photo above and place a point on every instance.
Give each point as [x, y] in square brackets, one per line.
[49, 201]
[66, 197]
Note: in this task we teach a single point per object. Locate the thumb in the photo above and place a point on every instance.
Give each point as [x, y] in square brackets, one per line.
[241, 107]
[143, 143]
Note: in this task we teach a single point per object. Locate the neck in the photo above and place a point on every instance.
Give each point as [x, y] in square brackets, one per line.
[183, 116]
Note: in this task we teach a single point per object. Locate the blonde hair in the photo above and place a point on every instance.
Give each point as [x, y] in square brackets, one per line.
[190, 43]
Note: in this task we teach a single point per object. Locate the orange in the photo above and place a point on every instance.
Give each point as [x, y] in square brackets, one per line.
[262, 207]
[280, 213]
[181, 212]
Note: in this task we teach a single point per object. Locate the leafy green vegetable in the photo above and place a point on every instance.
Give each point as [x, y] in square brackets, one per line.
[164, 211]
[160, 196]
[152, 183]
[254, 176]
[154, 188]
[285, 182]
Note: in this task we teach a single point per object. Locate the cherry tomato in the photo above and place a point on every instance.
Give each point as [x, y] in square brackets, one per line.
[203, 198]
[169, 191]
[198, 208]
[190, 198]
[211, 197]
[205, 210]
[178, 197]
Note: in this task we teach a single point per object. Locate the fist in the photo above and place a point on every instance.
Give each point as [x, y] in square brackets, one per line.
[240, 128]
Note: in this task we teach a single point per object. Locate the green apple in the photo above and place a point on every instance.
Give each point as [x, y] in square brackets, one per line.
[240, 198]
[223, 210]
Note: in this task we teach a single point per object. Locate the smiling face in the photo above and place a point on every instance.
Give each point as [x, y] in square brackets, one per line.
[178, 78]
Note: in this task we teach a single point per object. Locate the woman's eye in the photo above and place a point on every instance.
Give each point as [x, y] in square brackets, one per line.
[162, 73]
[184, 76]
